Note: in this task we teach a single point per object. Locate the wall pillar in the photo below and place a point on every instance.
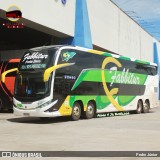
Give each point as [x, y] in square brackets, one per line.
[82, 36]
[156, 60]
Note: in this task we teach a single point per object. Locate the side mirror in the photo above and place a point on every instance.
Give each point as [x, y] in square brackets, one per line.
[3, 76]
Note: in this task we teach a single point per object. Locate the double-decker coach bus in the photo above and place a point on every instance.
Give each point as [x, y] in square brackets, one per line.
[7, 88]
[71, 81]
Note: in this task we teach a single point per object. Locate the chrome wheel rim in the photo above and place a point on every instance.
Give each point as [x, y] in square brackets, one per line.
[146, 106]
[76, 111]
[90, 109]
[139, 108]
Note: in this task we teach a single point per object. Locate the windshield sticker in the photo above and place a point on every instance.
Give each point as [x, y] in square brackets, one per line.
[35, 66]
[67, 56]
[34, 60]
[35, 57]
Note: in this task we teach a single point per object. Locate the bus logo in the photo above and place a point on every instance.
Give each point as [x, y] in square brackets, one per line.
[13, 13]
[64, 2]
[67, 56]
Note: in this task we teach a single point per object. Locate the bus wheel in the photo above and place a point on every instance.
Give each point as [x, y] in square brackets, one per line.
[90, 112]
[139, 107]
[76, 111]
[1, 105]
[146, 107]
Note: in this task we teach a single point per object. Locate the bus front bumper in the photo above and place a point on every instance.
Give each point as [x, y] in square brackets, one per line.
[35, 113]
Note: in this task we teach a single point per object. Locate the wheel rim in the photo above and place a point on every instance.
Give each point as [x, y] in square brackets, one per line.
[76, 111]
[139, 109]
[146, 106]
[90, 110]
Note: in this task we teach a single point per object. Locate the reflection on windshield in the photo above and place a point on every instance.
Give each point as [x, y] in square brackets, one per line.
[31, 86]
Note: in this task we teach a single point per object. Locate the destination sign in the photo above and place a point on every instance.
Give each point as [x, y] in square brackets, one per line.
[34, 60]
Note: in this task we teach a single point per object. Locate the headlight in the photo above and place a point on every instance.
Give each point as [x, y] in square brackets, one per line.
[45, 104]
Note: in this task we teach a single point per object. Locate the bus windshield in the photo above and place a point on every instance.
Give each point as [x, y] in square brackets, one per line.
[31, 86]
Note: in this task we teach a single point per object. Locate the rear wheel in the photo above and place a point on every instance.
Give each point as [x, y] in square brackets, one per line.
[139, 107]
[76, 111]
[146, 107]
[90, 112]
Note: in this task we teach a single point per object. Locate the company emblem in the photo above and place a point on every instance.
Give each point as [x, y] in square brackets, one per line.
[110, 93]
[13, 14]
[19, 105]
[64, 2]
[67, 56]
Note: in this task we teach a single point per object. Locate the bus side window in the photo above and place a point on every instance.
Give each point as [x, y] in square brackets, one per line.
[63, 76]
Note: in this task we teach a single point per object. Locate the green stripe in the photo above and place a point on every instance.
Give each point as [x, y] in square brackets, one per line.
[110, 77]
[143, 62]
[107, 54]
[125, 100]
[125, 58]
[101, 101]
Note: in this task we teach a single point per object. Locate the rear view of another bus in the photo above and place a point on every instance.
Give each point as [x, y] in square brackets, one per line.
[7, 88]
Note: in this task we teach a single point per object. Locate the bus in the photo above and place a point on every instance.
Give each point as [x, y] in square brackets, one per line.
[78, 82]
[7, 88]
[14, 14]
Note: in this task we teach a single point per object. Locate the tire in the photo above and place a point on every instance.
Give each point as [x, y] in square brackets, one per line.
[1, 105]
[90, 112]
[146, 107]
[139, 107]
[76, 111]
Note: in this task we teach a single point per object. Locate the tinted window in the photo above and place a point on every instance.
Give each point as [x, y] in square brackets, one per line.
[86, 60]
[82, 59]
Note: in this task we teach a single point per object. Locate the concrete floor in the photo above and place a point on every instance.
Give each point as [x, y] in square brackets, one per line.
[121, 133]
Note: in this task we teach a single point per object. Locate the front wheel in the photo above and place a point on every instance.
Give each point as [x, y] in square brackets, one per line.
[90, 112]
[76, 111]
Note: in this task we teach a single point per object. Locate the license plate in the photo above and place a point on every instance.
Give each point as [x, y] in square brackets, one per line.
[26, 114]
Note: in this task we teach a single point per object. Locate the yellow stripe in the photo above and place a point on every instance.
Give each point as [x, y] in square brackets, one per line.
[96, 52]
[65, 109]
[114, 90]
